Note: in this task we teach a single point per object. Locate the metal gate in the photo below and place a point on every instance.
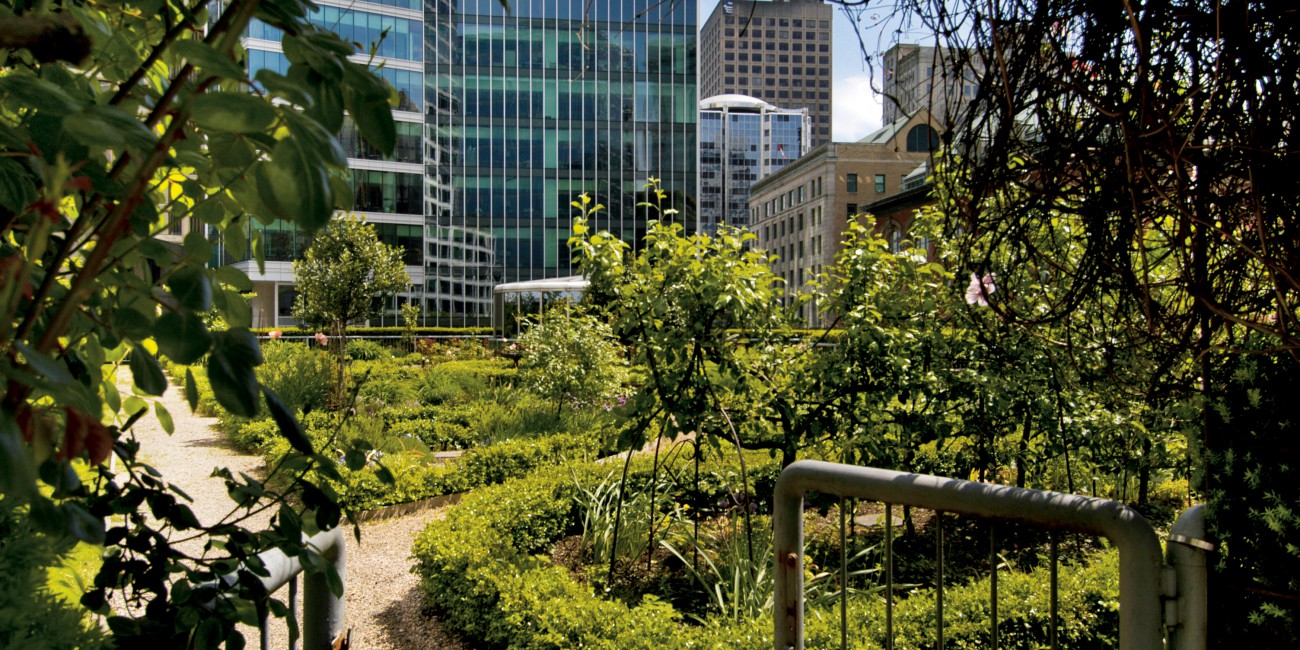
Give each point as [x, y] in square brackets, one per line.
[1155, 598]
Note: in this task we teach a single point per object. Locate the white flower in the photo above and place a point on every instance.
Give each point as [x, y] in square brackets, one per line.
[980, 289]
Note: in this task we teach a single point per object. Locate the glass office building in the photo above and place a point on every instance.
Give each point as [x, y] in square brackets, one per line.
[389, 190]
[527, 110]
[742, 141]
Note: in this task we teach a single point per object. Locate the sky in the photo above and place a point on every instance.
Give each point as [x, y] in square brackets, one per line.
[856, 108]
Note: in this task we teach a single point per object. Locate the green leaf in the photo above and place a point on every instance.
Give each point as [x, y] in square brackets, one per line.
[232, 112]
[230, 371]
[133, 324]
[287, 422]
[83, 525]
[156, 250]
[147, 373]
[237, 310]
[207, 58]
[182, 336]
[198, 249]
[191, 389]
[134, 406]
[328, 109]
[191, 287]
[315, 140]
[289, 89]
[234, 383]
[17, 476]
[29, 92]
[374, 119]
[231, 151]
[234, 277]
[164, 417]
[45, 366]
[294, 185]
[290, 523]
[17, 191]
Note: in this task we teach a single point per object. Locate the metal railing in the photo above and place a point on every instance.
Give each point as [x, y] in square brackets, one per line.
[322, 611]
[1143, 579]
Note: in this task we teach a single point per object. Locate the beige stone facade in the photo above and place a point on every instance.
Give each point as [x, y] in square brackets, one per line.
[800, 213]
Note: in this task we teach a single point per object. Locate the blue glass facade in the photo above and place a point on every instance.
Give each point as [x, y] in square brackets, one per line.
[389, 190]
[528, 110]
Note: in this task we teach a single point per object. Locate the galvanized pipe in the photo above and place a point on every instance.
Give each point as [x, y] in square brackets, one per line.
[889, 576]
[1140, 561]
[322, 610]
[1186, 554]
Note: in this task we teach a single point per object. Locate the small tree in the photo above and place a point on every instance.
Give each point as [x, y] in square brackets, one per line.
[410, 321]
[339, 277]
[573, 357]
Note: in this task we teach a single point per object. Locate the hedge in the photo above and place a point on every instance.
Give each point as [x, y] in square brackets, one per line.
[481, 570]
[380, 331]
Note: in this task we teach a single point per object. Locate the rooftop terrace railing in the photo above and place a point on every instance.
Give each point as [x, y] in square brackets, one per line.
[1144, 578]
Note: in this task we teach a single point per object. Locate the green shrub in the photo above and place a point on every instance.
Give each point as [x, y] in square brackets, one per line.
[574, 359]
[383, 383]
[460, 380]
[440, 436]
[30, 615]
[300, 375]
[252, 435]
[467, 332]
[365, 350]
[481, 570]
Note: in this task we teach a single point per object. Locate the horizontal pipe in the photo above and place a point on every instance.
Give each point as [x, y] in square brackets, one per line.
[1140, 562]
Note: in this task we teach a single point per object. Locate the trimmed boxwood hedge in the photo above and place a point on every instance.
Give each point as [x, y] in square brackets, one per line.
[480, 568]
[363, 332]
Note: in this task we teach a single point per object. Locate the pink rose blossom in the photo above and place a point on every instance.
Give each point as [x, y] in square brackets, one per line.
[275, 335]
[321, 339]
[980, 289]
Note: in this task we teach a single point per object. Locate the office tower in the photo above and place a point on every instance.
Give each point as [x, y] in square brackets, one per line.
[777, 51]
[532, 108]
[939, 80]
[389, 189]
[742, 140]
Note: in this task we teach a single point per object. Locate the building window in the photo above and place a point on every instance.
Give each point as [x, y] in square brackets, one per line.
[853, 209]
[851, 182]
[922, 138]
[880, 183]
[895, 238]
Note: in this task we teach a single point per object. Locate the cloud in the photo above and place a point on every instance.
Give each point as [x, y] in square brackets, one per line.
[856, 110]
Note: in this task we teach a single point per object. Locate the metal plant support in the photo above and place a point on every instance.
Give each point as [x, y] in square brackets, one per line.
[1142, 618]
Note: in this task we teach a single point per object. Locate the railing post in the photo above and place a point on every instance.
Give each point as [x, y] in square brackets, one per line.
[1186, 555]
[322, 611]
[787, 540]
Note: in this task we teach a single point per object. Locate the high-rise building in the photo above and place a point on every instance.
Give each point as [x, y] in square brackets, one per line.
[389, 190]
[776, 50]
[939, 80]
[503, 120]
[742, 140]
[532, 108]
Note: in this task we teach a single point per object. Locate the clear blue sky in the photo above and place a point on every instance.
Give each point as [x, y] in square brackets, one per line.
[856, 109]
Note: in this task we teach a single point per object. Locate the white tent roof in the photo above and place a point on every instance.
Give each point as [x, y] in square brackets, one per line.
[570, 283]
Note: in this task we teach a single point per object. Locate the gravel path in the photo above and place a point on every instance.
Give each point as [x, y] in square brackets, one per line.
[383, 609]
